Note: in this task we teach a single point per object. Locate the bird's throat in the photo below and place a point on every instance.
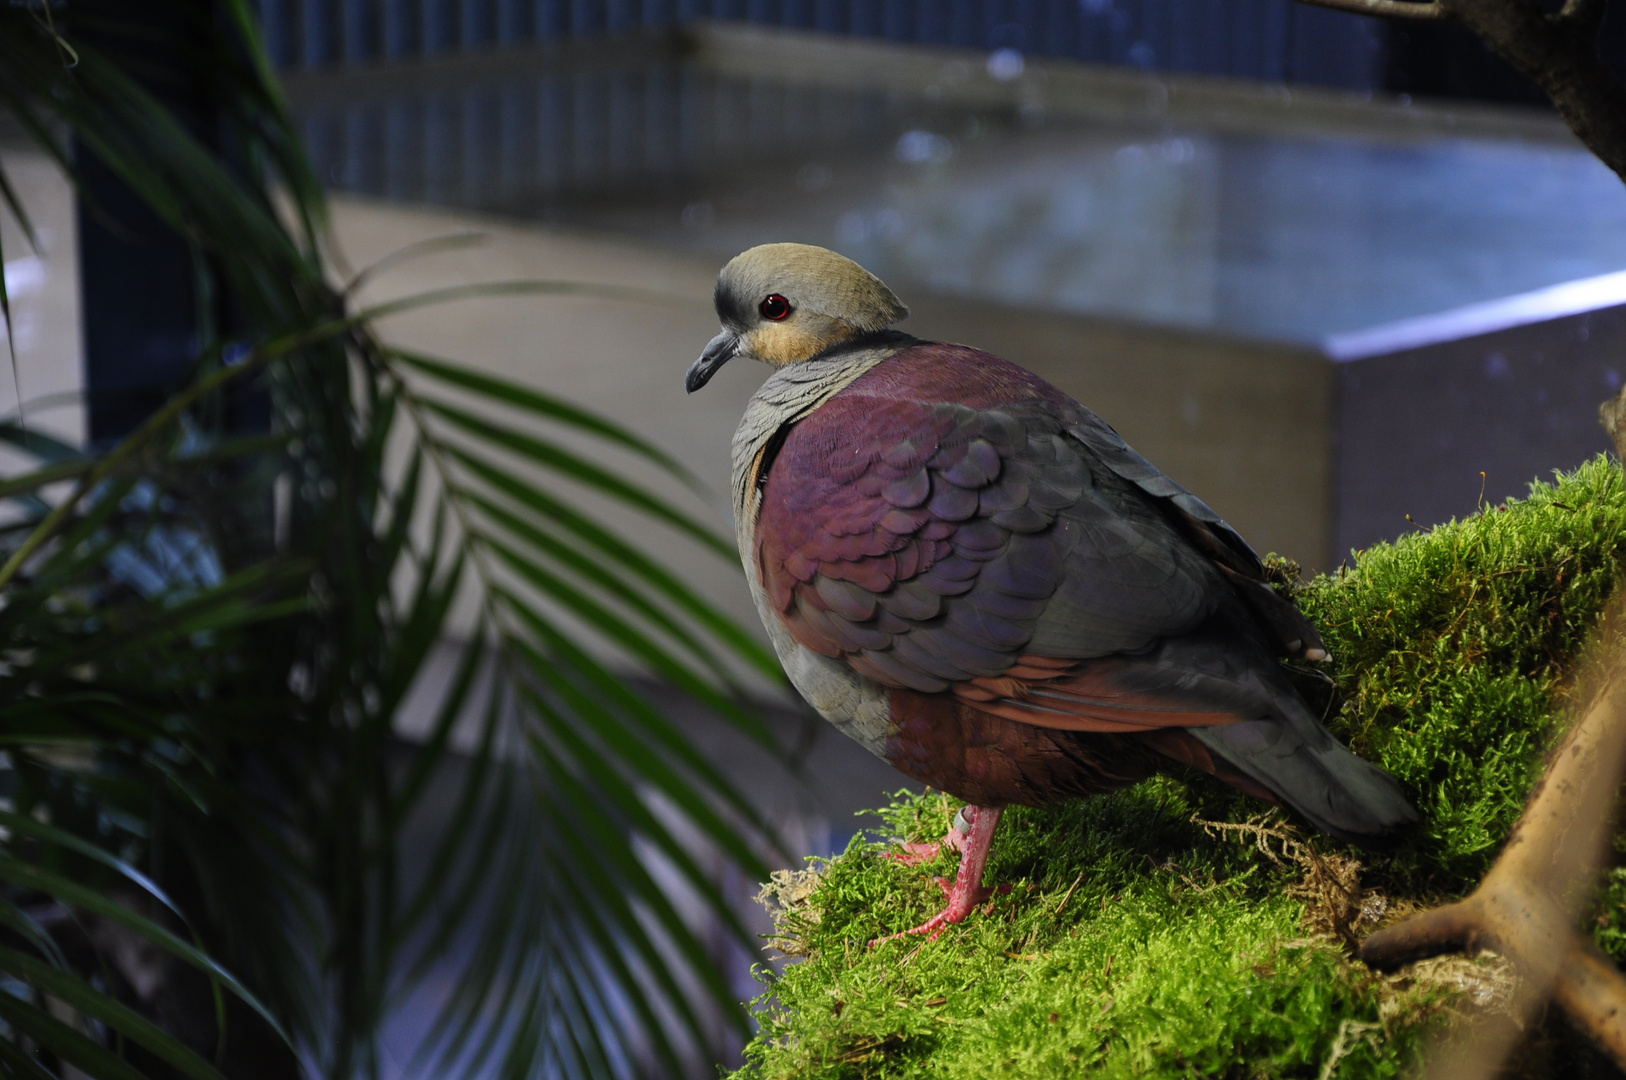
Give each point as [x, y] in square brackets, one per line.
[789, 394]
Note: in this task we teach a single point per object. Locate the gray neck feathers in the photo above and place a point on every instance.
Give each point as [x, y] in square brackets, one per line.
[845, 698]
[791, 393]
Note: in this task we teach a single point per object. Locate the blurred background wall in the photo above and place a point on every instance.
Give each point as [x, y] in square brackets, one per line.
[1272, 40]
[1201, 239]
[1254, 39]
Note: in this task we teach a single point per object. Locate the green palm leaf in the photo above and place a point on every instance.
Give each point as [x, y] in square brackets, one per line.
[202, 695]
[545, 407]
[96, 1005]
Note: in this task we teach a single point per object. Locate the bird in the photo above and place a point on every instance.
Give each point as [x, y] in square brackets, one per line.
[977, 579]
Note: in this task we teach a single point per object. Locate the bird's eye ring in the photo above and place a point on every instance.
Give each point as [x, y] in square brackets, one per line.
[775, 307]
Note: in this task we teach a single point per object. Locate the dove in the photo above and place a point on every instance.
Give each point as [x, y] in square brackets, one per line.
[977, 579]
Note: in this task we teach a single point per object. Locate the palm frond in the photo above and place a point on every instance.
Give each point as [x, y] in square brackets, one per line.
[202, 684]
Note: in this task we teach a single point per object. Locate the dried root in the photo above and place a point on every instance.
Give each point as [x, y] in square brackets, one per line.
[1335, 904]
[787, 898]
[1351, 1033]
[1526, 908]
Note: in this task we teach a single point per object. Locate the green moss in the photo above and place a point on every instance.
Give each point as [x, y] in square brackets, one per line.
[1452, 649]
[1135, 942]
[1131, 944]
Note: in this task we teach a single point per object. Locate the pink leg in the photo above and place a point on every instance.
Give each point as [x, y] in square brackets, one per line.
[967, 891]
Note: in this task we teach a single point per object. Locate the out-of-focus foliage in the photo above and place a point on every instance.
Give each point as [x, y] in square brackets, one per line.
[208, 636]
[1138, 941]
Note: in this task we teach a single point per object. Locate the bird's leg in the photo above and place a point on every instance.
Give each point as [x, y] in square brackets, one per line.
[968, 890]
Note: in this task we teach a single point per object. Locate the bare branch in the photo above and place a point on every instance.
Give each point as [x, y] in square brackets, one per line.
[1525, 908]
[1452, 928]
[1612, 415]
[1560, 55]
[1586, 15]
[1592, 991]
[1558, 52]
[1387, 9]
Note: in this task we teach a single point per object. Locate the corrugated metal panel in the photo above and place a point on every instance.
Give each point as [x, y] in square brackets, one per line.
[1254, 39]
[521, 144]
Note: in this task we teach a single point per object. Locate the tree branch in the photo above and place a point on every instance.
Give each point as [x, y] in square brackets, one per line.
[1526, 907]
[1612, 415]
[1584, 14]
[1559, 53]
[1591, 990]
[1387, 9]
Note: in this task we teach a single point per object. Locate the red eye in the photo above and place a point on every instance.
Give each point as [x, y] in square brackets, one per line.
[775, 307]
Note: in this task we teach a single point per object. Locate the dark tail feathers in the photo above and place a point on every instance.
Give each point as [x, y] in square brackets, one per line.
[1299, 760]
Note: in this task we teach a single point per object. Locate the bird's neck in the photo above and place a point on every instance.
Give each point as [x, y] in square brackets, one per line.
[849, 700]
[790, 393]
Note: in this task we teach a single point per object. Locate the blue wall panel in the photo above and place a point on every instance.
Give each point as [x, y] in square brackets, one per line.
[1256, 39]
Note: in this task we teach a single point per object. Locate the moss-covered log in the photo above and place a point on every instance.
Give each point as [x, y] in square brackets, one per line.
[1170, 930]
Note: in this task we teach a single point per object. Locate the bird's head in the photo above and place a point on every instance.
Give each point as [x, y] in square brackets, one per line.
[785, 303]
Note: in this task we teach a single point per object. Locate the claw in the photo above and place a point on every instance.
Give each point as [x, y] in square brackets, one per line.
[914, 854]
[967, 892]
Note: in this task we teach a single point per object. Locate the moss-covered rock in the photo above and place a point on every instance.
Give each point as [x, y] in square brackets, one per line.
[1162, 931]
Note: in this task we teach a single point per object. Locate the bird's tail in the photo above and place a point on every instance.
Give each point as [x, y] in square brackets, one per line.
[1294, 757]
[1274, 747]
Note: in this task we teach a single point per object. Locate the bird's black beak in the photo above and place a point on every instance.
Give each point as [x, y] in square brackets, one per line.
[719, 351]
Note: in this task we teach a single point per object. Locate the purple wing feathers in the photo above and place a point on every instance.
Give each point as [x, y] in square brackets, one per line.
[928, 541]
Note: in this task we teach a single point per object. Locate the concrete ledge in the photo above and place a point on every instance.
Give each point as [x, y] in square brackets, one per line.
[1103, 93]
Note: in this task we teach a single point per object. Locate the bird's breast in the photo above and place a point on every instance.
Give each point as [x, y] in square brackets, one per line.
[853, 703]
[856, 705]
[789, 394]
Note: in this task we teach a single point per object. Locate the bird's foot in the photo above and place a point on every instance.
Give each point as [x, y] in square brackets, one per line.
[962, 901]
[913, 854]
[967, 890]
